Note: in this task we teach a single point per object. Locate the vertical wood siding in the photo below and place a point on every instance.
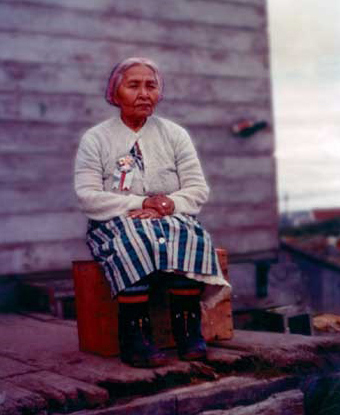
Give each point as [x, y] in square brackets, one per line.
[55, 57]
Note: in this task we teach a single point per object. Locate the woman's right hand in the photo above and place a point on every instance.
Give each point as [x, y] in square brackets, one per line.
[163, 204]
[147, 213]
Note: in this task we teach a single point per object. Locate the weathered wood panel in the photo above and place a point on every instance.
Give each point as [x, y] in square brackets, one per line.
[32, 168]
[199, 11]
[32, 18]
[27, 198]
[58, 255]
[24, 136]
[246, 192]
[240, 167]
[68, 107]
[55, 58]
[83, 51]
[212, 140]
[238, 216]
[42, 227]
[68, 79]
[42, 256]
[36, 227]
[249, 240]
[35, 169]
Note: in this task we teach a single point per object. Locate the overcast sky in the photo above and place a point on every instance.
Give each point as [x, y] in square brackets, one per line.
[305, 61]
[305, 36]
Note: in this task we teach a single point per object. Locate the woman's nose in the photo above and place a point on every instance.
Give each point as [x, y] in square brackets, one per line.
[143, 91]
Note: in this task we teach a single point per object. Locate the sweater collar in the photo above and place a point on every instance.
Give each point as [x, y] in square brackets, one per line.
[136, 134]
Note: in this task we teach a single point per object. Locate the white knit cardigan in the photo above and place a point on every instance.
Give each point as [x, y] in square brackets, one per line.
[171, 167]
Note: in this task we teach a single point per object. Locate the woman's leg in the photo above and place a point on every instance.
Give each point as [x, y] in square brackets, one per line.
[186, 317]
[135, 334]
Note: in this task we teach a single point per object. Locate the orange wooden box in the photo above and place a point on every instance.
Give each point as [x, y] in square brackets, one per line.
[97, 312]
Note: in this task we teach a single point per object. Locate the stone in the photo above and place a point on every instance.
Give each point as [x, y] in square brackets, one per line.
[10, 367]
[63, 392]
[16, 400]
[228, 392]
[284, 403]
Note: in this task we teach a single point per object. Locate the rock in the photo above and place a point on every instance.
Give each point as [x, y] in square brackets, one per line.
[18, 401]
[61, 392]
[284, 403]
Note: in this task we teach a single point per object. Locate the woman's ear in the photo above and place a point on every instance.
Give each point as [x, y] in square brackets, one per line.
[115, 98]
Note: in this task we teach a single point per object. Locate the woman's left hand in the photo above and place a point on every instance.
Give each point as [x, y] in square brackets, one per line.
[163, 204]
[144, 214]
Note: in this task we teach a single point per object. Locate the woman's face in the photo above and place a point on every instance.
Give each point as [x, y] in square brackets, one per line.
[138, 92]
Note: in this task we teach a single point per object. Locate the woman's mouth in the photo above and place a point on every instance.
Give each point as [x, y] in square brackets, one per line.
[143, 106]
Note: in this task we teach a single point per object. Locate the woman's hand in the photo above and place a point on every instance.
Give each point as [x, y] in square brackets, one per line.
[147, 213]
[161, 203]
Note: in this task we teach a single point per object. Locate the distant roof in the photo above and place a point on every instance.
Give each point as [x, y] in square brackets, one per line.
[325, 214]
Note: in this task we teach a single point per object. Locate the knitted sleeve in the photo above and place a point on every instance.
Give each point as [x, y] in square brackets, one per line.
[95, 202]
[194, 190]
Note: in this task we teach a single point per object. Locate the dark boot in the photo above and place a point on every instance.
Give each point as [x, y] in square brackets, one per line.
[186, 323]
[135, 334]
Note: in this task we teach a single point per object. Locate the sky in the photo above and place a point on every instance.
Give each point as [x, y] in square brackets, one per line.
[305, 64]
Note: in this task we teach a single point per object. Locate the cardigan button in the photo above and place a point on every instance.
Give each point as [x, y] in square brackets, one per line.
[161, 240]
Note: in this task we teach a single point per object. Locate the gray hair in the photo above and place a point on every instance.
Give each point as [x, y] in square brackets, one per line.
[118, 72]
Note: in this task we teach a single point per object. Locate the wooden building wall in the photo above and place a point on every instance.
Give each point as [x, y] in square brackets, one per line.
[55, 57]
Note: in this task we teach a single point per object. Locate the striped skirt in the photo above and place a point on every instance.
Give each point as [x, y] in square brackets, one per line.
[130, 249]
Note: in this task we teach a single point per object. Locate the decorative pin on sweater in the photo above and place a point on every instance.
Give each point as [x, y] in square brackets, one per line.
[124, 172]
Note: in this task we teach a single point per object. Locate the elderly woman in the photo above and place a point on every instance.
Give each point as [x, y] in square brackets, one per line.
[139, 181]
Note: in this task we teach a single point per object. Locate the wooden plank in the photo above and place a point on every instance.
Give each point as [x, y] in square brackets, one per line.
[239, 168]
[230, 182]
[215, 13]
[61, 392]
[58, 255]
[42, 227]
[42, 256]
[244, 191]
[37, 342]
[63, 108]
[8, 105]
[80, 51]
[217, 90]
[20, 400]
[261, 3]
[10, 367]
[211, 141]
[290, 402]
[91, 80]
[53, 77]
[32, 18]
[246, 240]
[55, 138]
[40, 137]
[209, 115]
[242, 215]
[28, 199]
[31, 168]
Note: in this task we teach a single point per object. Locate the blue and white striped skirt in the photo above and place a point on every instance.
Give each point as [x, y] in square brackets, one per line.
[130, 249]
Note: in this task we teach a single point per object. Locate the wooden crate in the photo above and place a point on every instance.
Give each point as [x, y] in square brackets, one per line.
[97, 312]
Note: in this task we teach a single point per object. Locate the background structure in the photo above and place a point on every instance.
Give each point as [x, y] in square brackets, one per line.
[55, 58]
